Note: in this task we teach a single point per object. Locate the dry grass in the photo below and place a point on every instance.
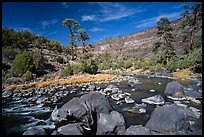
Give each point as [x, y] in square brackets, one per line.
[185, 73]
[130, 70]
[76, 79]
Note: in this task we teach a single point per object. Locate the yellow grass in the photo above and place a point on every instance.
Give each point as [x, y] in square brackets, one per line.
[69, 81]
[185, 73]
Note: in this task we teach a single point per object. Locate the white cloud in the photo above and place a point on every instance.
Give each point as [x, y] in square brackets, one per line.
[153, 21]
[46, 23]
[95, 29]
[111, 11]
[65, 4]
[22, 29]
[88, 18]
[51, 33]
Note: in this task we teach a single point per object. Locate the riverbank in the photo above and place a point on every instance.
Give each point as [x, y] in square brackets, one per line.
[107, 75]
[75, 79]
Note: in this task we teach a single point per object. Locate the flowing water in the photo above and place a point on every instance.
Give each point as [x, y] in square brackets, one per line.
[17, 115]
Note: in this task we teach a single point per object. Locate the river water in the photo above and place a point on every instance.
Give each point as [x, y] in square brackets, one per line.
[17, 115]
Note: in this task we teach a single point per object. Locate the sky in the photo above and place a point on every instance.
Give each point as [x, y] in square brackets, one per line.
[101, 20]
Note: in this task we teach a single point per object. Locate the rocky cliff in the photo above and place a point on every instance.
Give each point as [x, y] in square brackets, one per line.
[143, 40]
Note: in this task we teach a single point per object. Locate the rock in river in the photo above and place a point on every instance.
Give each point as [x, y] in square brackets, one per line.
[7, 94]
[83, 107]
[35, 131]
[112, 123]
[137, 130]
[174, 89]
[169, 119]
[129, 100]
[70, 129]
[157, 100]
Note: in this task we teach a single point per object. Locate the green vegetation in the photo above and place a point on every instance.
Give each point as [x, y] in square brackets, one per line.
[22, 63]
[60, 60]
[89, 66]
[83, 36]
[28, 75]
[67, 71]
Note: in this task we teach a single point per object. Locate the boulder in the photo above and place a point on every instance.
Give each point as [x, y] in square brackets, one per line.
[137, 130]
[71, 129]
[83, 108]
[169, 119]
[129, 100]
[41, 100]
[6, 94]
[157, 100]
[35, 131]
[110, 124]
[111, 86]
[193, 93]
[92, 87]
[174, 89]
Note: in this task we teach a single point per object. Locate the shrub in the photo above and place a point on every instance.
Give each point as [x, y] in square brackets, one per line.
[105, 65]
[89, 66]
[77, 68]
[67, 71]
[60, 60]
[156, 68]
[28, 75]
[195, 60]
[22, 63]
[38, 59]
[127, 64]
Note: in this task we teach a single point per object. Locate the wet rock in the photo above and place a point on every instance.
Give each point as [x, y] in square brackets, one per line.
[115, 97]
[197, 126]
[92, 87]
[55, 133]
[129, 100]
[7, 94]
[152, 90]
[111, 86]
[192, 93]
[41, 100]
[110, 124]
[137, 130]
[169, 119]
[35, 131]
[193, 100]
[71, 129]
[194, 112]
[174, 89]
[157, 100]
[54, 114]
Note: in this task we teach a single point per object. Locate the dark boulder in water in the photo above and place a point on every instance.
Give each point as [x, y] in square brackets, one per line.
[137, 130]
[169, 119]
[82, 108]
[70, 129]
[174, 89]
[110, 124]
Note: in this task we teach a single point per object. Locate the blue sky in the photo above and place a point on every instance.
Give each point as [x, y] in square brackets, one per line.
[101, 19]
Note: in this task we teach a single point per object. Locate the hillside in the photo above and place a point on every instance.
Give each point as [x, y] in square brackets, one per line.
[131, 51]
[143, 41]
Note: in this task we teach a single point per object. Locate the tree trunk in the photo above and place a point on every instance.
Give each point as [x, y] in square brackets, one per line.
[71, 43]
[83, 46]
